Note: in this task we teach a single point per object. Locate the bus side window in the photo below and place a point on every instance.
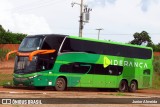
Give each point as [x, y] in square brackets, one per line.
[146, 72]
[46, 46]
[80, 68]
[115, 70]
[67, 68]
[100, 70]
[75, 68]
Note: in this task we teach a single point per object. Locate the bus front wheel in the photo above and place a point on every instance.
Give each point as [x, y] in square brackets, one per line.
[60, 84]
[133, 86]
[123, 87]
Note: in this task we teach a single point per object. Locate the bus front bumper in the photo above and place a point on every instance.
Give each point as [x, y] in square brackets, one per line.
[23, 81]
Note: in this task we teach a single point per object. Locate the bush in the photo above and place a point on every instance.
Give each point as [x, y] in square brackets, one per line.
[7, 37]
[156, 64]
[3, 53]
[11, 38]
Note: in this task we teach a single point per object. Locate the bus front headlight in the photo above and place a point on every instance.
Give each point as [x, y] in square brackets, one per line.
[32, 76]
[34, 58]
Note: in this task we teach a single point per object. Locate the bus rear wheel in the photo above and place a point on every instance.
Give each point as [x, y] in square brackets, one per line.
[123, 87]
[60, 84]
[133, 86]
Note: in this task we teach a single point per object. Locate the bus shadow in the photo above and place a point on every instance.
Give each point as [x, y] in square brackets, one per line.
[68, 89]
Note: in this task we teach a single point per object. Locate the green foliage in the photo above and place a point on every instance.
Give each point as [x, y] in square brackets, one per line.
[142, 37]
[156, 73]
[139, 38]
[9, 37]
[2, 30]
[156, 64]
[6, 79]
[157, 48]
[156, 81]
[120, 94]
[3, 53]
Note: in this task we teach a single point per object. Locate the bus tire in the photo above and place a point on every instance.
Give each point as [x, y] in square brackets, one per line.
[60, 84]
[133, 86]
[123, 87]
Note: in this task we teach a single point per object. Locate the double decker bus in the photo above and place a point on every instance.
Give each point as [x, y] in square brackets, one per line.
[63, 61]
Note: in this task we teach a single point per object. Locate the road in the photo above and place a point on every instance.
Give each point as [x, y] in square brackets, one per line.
[94, 97]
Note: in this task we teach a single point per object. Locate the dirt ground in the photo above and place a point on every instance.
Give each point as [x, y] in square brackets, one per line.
[23, 92]
[6, 67]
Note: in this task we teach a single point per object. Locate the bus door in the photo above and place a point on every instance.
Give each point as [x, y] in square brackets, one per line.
[112, 74]
[82, 69]
[99, 77]
[78, 76]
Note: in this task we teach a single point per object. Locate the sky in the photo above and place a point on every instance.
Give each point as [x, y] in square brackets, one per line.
[119, 19]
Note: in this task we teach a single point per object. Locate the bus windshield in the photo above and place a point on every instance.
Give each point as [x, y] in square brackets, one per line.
[30, 44]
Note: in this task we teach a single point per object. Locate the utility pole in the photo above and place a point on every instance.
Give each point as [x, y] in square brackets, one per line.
[83, 13]
[81, 19]
[99, 32]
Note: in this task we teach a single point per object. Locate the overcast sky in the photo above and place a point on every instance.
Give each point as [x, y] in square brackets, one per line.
[120, 19]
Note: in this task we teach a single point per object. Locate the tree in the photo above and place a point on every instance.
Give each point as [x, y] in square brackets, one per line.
[140, 38]
[2, 30]
[157, 47]
[9, 37]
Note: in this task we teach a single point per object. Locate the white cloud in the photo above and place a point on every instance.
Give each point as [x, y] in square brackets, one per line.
[125, 17]
[30, 24]
[145, 4]
[116, 17]
[22, 23]
[94, 3]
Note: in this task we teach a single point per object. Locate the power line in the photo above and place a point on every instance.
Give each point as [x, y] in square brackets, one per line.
[39, 5]
[120, 33]
[27, 4]
[95, 33]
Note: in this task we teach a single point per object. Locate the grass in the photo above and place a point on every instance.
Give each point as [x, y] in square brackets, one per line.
[156, 81]
[120, 94]
[5, 79]
[6, 83]
[156, 73]
[3, 53]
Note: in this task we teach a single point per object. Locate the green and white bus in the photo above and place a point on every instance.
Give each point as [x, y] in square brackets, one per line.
[63, 61]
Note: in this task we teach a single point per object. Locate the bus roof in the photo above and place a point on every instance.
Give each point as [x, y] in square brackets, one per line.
[91, 39]
[110, 42]
[46, 35]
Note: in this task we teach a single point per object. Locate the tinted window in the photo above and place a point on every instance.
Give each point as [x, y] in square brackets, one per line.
[146, 72]
[52, 42]
[46, 61]
[110, 70]
[86, 68]
[75, 68]
[30, 44]
[75, 45]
